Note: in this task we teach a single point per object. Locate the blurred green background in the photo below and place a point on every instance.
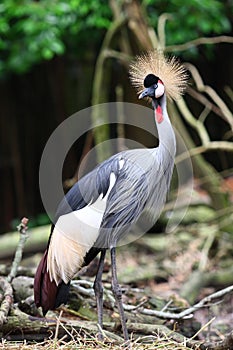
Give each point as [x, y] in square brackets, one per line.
[48, 55]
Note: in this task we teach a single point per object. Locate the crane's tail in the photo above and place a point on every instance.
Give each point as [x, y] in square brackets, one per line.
[47, 294]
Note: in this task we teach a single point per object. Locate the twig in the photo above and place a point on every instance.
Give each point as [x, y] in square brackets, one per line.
[85, 291]
[189, 311]
[57, 326]
[82, 282]
[22, 229]
[133, 307]
[225, 344]
[202, 328]
[166, 306]
[82, 290]
[161, 330]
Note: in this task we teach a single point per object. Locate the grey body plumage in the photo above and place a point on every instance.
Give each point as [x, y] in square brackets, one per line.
[141, 187]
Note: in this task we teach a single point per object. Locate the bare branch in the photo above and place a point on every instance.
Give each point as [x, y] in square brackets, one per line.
[153, 37]
[161, 30]
[203, 100]
[211, 146]
[160, 314]
[211, 92]
[195, 123]
[200, 41]
[189, 311]
[7, 301]
[22, 228]
[121, 56]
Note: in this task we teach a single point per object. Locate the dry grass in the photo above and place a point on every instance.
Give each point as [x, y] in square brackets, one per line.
[86, 341]
[93, 344]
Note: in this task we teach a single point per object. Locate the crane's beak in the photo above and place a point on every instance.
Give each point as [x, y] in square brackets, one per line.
[148, 92]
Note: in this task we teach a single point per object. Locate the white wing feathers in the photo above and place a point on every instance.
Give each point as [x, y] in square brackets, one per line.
[73, 236]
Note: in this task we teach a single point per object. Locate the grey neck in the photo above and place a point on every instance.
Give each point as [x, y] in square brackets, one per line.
[167, 140]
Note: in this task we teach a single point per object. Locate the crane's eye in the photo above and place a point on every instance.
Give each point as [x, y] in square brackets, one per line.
[150, 80]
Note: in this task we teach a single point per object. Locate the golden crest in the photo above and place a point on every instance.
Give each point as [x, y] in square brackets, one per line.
[168, 69]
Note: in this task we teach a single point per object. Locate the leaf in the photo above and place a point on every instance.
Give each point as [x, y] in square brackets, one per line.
[47, 53]
[57, 47]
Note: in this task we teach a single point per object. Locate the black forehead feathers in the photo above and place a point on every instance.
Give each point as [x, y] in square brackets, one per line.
[150, 80]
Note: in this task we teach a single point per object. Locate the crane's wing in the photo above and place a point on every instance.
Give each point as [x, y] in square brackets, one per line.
[137, 198]
[89, 188]
[63, 256]
[78, 220]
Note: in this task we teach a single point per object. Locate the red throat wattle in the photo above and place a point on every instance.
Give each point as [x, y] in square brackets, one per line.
[159, 114]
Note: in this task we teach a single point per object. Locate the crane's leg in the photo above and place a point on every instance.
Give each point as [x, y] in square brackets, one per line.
[118, 293]
[98, 289]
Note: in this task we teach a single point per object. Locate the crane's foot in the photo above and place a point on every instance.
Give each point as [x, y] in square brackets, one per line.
[100, 334]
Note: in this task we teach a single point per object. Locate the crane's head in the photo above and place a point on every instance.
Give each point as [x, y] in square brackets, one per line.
[154, 87]
[153, 74]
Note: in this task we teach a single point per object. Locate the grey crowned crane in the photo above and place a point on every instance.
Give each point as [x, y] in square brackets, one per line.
[104, 205]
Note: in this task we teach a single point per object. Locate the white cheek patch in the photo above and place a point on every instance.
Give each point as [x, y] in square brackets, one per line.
[159, 91]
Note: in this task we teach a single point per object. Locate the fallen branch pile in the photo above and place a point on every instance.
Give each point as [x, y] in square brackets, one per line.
[20, 320]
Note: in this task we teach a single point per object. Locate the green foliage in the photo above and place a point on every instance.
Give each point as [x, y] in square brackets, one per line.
[190, 19]
[32, 31]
